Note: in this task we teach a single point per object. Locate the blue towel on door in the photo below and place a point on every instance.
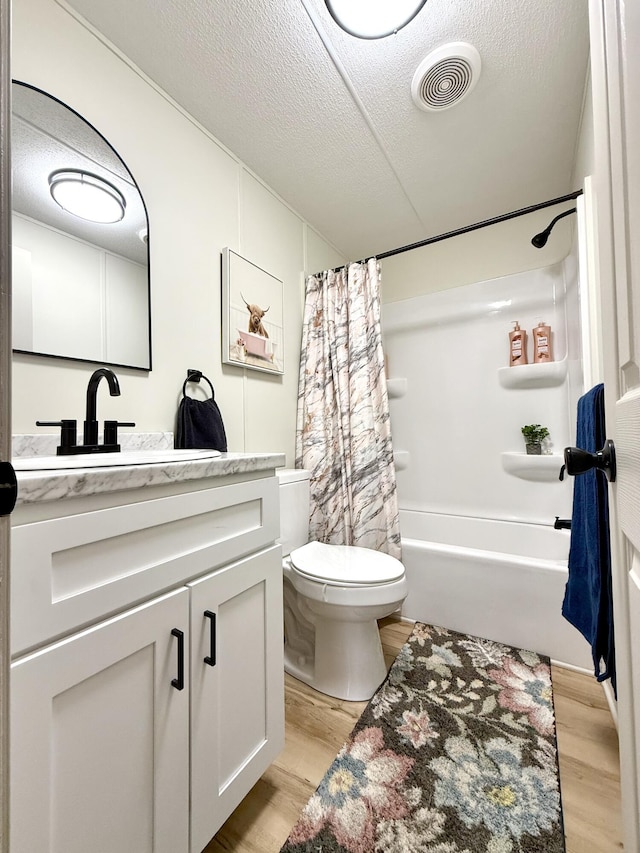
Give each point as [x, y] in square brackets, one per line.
[588, 602]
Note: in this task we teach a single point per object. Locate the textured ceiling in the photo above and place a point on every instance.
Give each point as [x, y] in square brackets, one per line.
[328, 122]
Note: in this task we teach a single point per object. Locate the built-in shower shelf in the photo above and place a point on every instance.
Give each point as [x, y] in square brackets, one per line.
[401, 459]
[396, 387]
[533, 375]
[543, 468]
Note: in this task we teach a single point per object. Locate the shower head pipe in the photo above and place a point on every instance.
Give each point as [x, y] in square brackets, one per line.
[540, 239]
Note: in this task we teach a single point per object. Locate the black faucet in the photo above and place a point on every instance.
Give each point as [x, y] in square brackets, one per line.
[68, 437]
[91, 423]
[562, 523]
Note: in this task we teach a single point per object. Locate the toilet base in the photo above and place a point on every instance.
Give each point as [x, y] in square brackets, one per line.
[348, 662]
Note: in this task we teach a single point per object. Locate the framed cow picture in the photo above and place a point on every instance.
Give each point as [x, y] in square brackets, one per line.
[252, 315]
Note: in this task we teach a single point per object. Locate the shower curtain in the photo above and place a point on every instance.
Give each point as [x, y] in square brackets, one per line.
[343, 431]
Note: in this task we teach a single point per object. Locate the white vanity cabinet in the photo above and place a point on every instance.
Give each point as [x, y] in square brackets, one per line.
[100, 738]
[237, 687]
[115, 599]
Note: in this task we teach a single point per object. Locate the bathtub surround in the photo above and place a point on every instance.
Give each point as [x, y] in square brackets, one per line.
[455, 752]
[451, 347]
[343, 430]
[464, 513]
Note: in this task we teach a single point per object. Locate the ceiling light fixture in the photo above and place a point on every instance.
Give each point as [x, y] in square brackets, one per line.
[373, 19]
[87, 196]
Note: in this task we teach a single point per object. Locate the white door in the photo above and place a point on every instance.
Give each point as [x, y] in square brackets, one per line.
[100, 738]
[615, 57]
[237, 686]
[5, 407]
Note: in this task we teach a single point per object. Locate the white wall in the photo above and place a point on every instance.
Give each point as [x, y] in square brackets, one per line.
[200, 198]
[584, 160]
[480, 255]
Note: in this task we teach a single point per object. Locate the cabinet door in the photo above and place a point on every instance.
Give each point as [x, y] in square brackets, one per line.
[99, 738]
[237, 694]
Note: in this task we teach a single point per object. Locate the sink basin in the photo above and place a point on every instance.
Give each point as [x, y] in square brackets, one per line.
[109, 460]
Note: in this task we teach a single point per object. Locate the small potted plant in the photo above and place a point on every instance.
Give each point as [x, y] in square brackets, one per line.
[534, 435]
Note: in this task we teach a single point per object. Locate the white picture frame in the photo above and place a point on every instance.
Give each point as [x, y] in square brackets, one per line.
[252, 315]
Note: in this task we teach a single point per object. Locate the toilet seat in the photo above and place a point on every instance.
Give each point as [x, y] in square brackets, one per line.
[345, 565]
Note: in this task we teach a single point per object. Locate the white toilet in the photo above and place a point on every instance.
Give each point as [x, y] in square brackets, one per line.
[333, 597]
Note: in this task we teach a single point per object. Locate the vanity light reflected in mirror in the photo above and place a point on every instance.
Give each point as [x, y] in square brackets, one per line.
[81, 284]
[86, 195]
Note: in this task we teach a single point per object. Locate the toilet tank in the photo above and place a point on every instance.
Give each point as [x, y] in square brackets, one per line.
[294, 508]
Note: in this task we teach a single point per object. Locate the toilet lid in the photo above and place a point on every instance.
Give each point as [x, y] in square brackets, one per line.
[345, 564]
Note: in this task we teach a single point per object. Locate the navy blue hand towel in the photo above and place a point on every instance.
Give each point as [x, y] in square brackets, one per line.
[588, 603]
[200, 424]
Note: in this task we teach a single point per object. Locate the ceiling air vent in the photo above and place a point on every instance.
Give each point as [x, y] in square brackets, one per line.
[446, 76]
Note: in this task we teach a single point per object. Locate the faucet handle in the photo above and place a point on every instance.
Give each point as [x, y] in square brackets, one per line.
[111, 431]
[68, 433]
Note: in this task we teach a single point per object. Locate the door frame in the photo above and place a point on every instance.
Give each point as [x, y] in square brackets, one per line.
[611, 38]
[605, 46]
[5, 402]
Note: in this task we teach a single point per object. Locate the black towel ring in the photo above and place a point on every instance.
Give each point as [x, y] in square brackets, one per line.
[196, 376]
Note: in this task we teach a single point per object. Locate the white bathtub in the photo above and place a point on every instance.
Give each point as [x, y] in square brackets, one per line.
[500, 580]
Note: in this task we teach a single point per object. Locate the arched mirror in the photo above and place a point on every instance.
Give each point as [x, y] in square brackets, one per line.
[80, 286]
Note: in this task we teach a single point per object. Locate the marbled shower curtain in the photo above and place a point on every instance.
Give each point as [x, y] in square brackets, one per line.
[343, 433]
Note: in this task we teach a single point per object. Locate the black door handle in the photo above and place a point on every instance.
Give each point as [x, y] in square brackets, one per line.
[8, 488]
[211, 657]
[178, 682]
[578, 461]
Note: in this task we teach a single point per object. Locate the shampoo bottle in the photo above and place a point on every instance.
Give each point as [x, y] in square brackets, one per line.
[517, 345]
[542, 343]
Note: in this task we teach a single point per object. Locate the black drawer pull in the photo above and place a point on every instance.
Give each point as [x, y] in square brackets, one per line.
[211, 657]
[178, 682]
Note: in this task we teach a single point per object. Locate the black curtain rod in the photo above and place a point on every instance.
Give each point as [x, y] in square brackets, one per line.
[503, 218]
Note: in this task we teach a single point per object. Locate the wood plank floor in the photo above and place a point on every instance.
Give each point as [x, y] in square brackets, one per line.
[317, 726]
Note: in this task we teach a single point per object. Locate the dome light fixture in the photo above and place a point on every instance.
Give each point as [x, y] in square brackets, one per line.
[86, 195]
[373, 19]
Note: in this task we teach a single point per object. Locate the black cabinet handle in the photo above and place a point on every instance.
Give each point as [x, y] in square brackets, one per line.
[211, 657]
[178, 682]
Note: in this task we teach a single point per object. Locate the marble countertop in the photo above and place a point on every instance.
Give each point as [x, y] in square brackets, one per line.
[38, 486]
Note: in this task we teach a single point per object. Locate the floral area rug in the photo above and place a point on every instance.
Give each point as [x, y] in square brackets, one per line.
[455, 753]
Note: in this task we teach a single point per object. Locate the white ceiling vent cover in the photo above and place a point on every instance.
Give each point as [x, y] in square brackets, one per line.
[446, 76]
